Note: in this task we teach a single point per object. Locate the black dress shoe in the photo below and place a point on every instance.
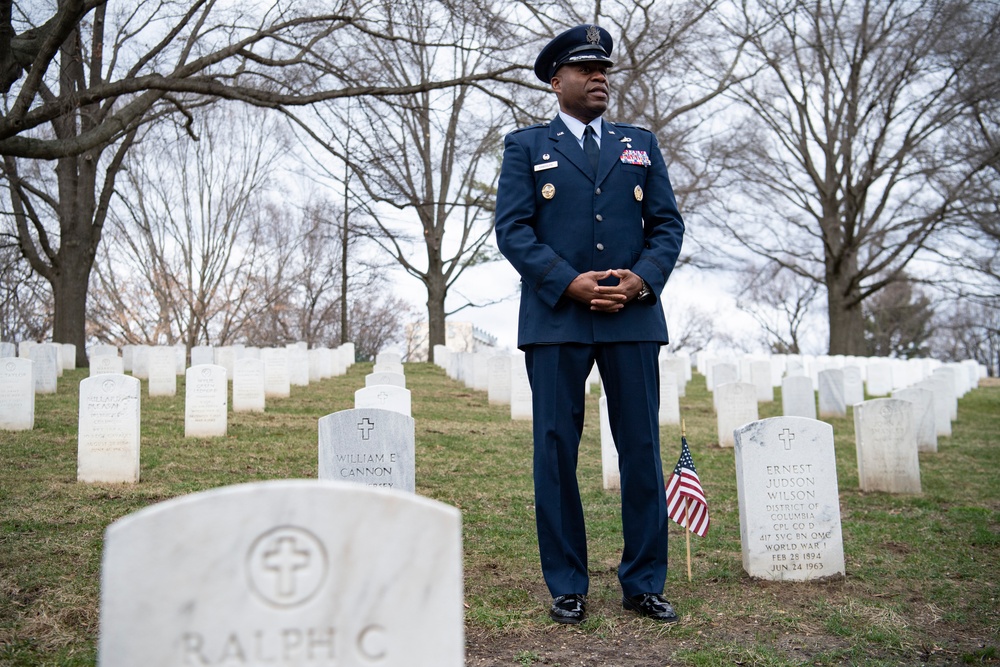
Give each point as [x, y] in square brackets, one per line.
[651, 605]
[568, 608]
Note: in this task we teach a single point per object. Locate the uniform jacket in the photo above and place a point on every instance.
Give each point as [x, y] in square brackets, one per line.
[555, 220]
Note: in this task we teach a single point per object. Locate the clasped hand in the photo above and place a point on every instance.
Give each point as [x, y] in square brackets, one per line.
[585, 288]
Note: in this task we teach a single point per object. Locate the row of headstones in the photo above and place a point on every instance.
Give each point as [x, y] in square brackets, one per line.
[293, 365]
[878, 375]
[935, 402]
[256, 374]
[505, 379]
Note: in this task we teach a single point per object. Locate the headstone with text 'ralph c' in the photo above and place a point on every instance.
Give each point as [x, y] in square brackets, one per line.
[284, 573]
[786, 481]
[368, 446]
[108, 435]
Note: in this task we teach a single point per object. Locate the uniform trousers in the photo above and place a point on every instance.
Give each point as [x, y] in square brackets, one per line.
[630, 373]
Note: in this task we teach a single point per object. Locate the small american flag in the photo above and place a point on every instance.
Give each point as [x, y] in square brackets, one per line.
[684, 488]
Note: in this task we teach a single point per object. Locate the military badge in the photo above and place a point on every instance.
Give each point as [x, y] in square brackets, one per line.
[636, 157]
[548, 191]
[593, 35]
[638, 193]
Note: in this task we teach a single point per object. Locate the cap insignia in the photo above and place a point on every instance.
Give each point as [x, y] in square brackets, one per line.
[593, 35]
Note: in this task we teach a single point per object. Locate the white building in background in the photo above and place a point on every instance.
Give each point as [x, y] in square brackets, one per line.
[459, 337]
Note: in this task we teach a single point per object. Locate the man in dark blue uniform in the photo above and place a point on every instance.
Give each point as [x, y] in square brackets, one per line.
[586, 215]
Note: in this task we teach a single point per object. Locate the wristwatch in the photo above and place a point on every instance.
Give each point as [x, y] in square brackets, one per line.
[645, 292]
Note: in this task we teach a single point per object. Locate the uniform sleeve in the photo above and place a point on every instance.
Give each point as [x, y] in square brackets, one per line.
[540, 267]
[663, 226]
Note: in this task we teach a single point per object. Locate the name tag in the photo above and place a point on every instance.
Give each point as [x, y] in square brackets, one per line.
[546, 165]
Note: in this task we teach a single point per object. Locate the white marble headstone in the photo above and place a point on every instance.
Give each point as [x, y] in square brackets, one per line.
[162, 371]
[831, 393]
[942, 409]
[67, 356]
[298, 365]
[760, 377]
[206, 401]
[923, 416]
[676, 365]
[46, 368]
[736, 403]
[276, 382]
[385, 396]
[786, 482]
[797, 396]
[17, 394]
[202, 355]
[284, 573]
[879, 378]
[385, 377]
[520, 389]
[368, 446]
[670, 407]
[108, 436]
[610, 473]
[498, 388]
[103, 364]
[248, 385]
[886, 446]
[854, 385]
[7, 349]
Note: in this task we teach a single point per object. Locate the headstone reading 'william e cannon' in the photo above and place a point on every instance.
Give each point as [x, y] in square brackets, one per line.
[368, 446]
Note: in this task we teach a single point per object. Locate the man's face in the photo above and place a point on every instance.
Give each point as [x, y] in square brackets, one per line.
[582, 89]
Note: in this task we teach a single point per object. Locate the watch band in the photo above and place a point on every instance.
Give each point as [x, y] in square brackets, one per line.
[645, 292]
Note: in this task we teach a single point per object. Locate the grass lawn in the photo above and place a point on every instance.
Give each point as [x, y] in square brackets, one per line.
[922, 570]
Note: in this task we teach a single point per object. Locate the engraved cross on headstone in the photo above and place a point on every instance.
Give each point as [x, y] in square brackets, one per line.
[383, 397]
[285, 559]
[365, 426]
[786, 436]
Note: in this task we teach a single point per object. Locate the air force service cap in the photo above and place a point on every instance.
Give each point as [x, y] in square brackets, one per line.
[584, 43]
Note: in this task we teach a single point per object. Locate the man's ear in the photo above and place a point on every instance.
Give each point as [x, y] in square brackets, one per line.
[556, 84]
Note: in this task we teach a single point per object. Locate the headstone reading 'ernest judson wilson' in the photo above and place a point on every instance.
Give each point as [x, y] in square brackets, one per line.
[786, 480]
[368, 446]
[281, 573]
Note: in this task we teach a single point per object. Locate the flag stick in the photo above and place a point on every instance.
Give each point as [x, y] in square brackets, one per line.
[687, 534]
[687, 518]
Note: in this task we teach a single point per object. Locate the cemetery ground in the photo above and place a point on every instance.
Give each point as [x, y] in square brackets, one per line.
[922, 570]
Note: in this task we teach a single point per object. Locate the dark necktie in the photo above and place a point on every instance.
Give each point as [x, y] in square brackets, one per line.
[590, 147]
